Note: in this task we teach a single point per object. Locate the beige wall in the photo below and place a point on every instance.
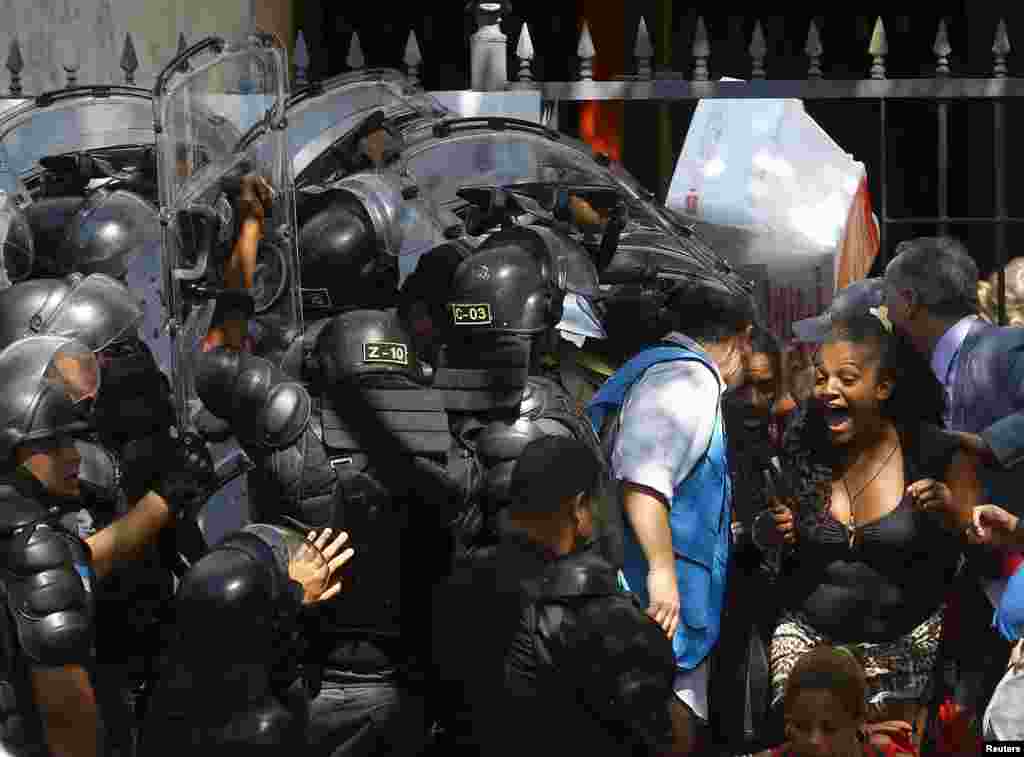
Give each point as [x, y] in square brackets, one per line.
[95, 30]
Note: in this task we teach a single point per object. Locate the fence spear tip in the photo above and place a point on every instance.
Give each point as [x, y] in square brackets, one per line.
[879, 44]
[301, 51]
[1001, 46]
[413, 56]
[701, 46]
[524, 50]
[585, 48]
[813, 47]
[758, 44]
[942, 47]
[355, 59]
[643, 47]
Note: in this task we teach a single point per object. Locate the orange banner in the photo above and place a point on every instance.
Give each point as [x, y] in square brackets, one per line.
[860, 243]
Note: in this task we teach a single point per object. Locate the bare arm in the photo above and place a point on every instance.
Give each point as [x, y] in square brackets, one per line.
[955, 498]
[240, 270]
[127, 537]
[67, 706]
[238, 274]
[647, 513]
[962, 479]
[683, 740]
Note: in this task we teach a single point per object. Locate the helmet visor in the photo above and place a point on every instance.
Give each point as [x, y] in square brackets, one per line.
[99, 311]
[74, 373]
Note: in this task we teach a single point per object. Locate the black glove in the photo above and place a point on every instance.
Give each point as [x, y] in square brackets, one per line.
[142, 461]
[189, 480]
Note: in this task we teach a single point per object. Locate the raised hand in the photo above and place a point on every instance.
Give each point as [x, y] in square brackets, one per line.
[316, 563]
[994, 525]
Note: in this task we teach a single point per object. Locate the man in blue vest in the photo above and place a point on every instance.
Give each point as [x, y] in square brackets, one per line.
[660, 418]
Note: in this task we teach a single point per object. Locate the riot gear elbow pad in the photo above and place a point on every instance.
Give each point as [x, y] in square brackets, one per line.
[46, 595]
[265, 407]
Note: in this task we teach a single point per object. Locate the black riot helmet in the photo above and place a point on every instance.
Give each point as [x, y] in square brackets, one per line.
[342, 262]
[519, 282]
[109, 230]
[95, 310]
[49, 386]
[368, 346]
[508, 288]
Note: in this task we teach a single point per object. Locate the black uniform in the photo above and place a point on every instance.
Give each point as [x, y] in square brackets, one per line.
[552, 659]
[231, 682]
[126, 453]
[370, 453]
[47, 578]
[505, 301]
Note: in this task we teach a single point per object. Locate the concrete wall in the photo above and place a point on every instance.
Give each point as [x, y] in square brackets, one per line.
[49, 31]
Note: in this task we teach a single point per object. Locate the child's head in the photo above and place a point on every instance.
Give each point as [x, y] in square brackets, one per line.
[824, 703]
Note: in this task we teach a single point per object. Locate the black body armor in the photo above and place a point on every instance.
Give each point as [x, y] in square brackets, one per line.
[541, 622]
[49, 604]
[372, 455]
[505, 302]
[230, 675]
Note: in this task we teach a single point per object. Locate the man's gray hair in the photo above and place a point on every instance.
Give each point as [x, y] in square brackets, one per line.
[940, 271]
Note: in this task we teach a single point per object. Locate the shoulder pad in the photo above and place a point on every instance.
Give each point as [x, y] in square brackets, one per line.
[578, 575]
[18, 510]
[282, 419]
[542, 396]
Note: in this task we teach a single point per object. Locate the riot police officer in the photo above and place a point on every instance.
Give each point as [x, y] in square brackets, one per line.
[231, 680]
[122, 460]
[366, 449]
[523, 288]
[48, 703]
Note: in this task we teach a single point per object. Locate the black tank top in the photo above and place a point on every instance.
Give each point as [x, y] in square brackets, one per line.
[896, 573]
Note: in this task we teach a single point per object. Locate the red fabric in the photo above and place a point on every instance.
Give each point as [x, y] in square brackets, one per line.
[957, 735]
[1012, 563]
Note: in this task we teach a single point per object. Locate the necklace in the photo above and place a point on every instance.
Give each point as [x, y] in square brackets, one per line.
[852, 519]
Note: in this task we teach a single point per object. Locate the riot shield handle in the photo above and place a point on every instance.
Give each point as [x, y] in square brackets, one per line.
[205, 245]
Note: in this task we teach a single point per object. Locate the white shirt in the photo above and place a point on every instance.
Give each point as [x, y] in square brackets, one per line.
[665, 427]
[944, 362]
[666, 424]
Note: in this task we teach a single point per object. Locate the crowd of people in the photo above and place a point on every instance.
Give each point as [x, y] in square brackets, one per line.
[864, 545]
[699, 542]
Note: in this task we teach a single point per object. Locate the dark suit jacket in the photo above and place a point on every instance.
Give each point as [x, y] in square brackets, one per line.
[988, 399]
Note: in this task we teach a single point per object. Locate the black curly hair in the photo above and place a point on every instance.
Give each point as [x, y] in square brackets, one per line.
[917, 398]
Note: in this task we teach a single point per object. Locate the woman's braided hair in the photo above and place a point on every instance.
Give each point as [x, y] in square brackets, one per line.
[808, 452]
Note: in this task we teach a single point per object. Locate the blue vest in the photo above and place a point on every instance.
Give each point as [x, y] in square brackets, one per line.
[699, 519]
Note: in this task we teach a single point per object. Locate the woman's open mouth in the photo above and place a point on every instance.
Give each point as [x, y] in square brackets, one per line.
[837, 419]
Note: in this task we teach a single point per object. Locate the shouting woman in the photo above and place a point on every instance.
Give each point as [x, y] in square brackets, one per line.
[882, 501]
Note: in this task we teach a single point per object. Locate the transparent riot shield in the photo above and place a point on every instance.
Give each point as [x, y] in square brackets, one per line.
[17, 247]
[205, 100]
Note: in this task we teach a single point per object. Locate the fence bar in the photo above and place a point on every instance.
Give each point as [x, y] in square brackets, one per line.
[999, 155]
[949, 219]
[883, 194]
[943, 156]
[804, 89]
